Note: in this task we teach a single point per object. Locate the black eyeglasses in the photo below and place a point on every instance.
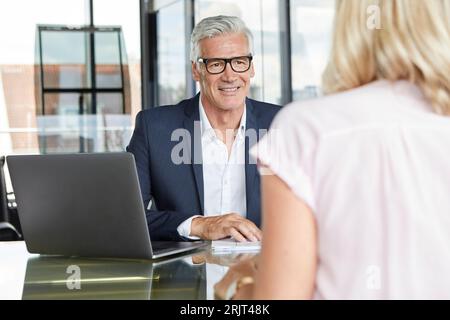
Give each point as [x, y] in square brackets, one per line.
[217, 65]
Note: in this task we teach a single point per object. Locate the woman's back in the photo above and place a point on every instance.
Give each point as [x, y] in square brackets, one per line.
[356, 203]
[373, 164]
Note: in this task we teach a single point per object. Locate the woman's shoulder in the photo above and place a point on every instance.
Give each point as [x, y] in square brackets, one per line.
[374, 102]
[341, 100]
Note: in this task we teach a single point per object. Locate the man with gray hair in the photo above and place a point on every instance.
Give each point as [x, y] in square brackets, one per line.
[217, 196]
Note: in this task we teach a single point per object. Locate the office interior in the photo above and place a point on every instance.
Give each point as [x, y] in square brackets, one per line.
[73, 76]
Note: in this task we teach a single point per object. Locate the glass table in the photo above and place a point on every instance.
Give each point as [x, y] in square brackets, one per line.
[188, 277]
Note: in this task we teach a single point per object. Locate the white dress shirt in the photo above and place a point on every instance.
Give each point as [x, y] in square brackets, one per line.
[223, 174]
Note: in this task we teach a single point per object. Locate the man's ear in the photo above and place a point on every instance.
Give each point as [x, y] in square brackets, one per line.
[195, 72]
[252, 71]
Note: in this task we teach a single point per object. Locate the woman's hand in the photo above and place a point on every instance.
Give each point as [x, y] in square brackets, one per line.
[238, 282]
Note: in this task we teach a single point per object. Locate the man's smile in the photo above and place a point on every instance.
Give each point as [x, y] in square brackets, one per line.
[229, 89]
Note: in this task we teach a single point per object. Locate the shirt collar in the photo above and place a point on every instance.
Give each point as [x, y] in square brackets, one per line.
[208, 131]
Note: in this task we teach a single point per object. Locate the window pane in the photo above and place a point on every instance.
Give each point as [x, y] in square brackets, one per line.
[65, 55]
[171, 54]
[64, 128]
[18, 20]
[69, 126]
[109, 103]
[124, 14]
[311, 26]
[23, 127]
[114, 127]
[108, 59]
[67, 103]
[18, 102]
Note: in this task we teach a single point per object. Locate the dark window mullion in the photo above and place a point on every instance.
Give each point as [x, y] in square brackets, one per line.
[81, 90]
[121, 73]
[189, 26]
[152, 60]
[42, 70]
[79, 29]
[44, 141]
[93, 70]
[286, 53]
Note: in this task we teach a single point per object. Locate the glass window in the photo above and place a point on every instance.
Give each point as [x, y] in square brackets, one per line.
[311, 26]
[123, 13]
[110, 103]
[67, 123]
[18, 21]
[109, 75]
[108, 59]
[23, 124]
[64, 58]
[62, 128]
[172, 61]
[69, 127]
[66, 103]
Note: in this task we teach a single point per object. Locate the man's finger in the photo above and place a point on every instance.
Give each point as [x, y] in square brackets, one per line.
[237, 235]
[247, 232]
[258, 234]
[256, 231]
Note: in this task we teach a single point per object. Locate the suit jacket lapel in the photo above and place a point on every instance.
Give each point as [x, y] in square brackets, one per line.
[251, 182]
[192, 124]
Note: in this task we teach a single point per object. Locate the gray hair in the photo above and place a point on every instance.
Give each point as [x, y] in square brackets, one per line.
[216, 26]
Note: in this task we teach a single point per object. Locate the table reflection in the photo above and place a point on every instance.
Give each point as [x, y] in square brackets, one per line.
[216, 266]
[188, 277]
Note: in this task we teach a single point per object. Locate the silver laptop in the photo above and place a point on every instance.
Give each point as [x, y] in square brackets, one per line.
[87, 205]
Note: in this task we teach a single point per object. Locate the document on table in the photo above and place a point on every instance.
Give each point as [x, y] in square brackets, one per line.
[231, 245]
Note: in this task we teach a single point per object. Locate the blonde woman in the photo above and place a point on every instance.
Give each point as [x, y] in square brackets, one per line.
[356, 191]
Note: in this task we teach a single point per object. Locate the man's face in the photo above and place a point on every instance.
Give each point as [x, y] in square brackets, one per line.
[227, 90]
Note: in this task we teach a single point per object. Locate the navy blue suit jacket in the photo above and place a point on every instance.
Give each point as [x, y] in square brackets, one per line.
[177, 189]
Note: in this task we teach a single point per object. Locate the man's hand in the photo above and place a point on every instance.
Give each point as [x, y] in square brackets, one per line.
[224, 260]
[219, 227]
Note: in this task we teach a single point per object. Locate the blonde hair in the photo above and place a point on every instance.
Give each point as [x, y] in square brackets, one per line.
[412, 44]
